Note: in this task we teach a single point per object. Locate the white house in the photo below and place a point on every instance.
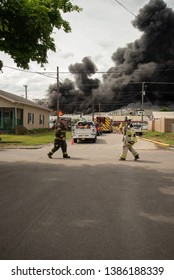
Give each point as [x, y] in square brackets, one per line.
[16, 110]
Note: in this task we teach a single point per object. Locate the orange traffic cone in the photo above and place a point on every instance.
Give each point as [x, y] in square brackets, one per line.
[72, 141]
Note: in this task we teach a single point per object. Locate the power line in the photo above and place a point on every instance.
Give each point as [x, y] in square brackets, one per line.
[29, 71]
[131, 83]
[81, 72]
[126, 8]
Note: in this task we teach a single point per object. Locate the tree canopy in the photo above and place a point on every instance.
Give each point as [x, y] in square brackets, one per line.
[26, 28]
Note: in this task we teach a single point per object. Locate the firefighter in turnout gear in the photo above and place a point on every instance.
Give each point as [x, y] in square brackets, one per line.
[129, 139]
[59, 142]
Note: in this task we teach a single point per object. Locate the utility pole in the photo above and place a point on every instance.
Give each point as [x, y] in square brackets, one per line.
[25, 86]
[58, 95]
[142, 104]
[92, 109]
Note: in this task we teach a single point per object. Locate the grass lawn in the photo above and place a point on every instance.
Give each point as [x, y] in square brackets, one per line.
[166, 138]
[29, 140]
[48, 137]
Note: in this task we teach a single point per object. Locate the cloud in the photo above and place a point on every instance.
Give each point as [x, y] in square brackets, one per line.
[67, 55]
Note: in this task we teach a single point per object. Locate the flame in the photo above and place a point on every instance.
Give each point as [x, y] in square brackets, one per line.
[60, 113]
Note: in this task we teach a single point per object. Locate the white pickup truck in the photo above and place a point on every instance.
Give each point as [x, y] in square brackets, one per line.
[84, 130]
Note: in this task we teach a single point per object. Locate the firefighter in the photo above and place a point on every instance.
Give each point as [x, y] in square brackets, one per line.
[59, 142]
[129, 139]
[120, 128]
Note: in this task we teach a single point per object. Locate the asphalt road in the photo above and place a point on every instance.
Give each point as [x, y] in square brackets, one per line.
[90, 206]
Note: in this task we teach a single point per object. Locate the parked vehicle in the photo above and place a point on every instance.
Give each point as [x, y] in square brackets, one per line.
[105, 123]
[138, 128]
[144, 126]
[84, 130]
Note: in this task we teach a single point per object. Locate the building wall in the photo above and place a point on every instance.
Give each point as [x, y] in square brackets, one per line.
[161, 125]
[34, 117]
[134, 118]
[5, 103]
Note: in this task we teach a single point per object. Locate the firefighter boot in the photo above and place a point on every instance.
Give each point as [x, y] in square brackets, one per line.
[66, 155]
[122, 159]
[49, 155]
[136, 157]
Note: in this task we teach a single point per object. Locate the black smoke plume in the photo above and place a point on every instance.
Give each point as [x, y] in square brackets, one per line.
[76, 97]
[149, 59]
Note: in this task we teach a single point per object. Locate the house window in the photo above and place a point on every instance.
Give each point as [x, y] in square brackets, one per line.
[41, 119]
[30, 118]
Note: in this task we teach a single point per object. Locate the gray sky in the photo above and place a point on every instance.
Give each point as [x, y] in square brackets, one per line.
[97, 32]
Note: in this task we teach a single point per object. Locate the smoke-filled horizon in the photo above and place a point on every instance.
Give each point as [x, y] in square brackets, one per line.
[148, 59]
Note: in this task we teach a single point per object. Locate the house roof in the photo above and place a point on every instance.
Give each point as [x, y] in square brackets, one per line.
[159, 115]
[20, 100]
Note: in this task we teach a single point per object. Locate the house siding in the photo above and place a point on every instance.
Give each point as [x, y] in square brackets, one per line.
[20, 114]
[5, 103]
[37, 113]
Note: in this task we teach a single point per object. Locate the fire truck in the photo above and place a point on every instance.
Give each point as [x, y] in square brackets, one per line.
[105, 123]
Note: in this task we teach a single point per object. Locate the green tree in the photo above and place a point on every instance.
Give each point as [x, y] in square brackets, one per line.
[26, 28]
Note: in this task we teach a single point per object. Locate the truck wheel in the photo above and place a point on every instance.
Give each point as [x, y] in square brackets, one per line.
[75, 140]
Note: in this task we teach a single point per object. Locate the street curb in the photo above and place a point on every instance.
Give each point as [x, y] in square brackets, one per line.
[158, 143]
[21, 147]
[35, 147]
